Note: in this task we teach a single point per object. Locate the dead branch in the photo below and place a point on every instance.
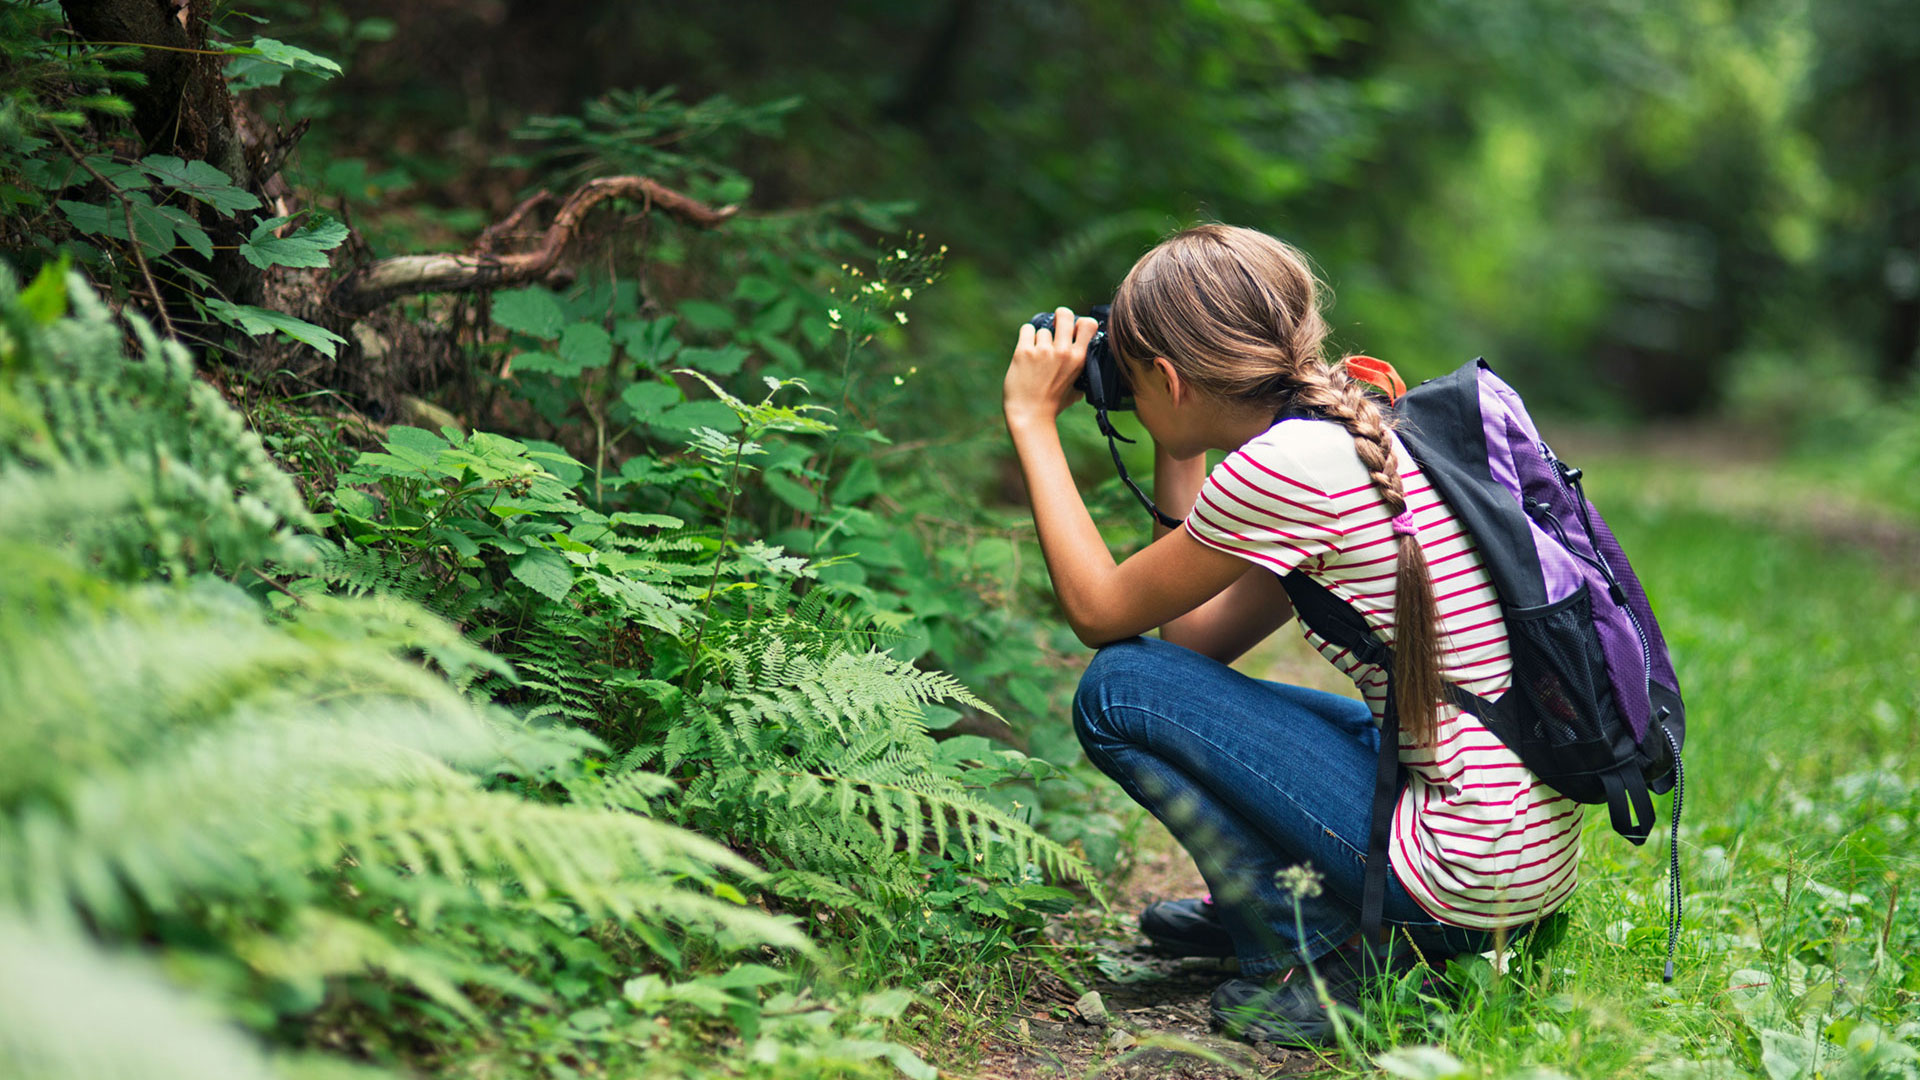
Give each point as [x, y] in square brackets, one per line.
[382, 282]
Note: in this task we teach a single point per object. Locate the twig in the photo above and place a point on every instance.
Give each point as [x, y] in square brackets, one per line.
[264, 577]
[381, 282]
[133, 239]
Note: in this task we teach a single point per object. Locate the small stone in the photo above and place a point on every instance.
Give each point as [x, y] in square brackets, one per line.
[1119, 1039]
[1091, 1008]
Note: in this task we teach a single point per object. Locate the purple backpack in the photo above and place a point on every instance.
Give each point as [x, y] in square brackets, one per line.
[1594, 708]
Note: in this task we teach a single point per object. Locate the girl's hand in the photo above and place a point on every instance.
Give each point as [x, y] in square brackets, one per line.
[1039, 384]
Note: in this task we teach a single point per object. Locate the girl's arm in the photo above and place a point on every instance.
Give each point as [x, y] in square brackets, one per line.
[1104, 602]
[1243, 614]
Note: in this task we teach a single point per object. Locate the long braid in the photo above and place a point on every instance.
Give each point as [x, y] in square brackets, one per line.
[1416, 646]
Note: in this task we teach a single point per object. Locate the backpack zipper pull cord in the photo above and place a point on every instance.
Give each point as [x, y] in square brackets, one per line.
[1677, 900]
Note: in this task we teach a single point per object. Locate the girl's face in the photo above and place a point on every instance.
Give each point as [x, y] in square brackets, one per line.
[1164, 405]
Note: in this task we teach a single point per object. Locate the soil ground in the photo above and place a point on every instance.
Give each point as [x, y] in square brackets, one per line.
[1159, 1003]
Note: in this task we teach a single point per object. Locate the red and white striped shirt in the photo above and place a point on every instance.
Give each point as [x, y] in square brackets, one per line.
[1477, 839]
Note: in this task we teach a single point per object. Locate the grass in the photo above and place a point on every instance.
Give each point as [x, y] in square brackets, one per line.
[1800, 828]
[1801, 833]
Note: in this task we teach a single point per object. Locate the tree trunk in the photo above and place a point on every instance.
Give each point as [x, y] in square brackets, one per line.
[183, 108]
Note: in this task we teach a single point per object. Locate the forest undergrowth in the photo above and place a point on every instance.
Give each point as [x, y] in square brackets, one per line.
[615, 647]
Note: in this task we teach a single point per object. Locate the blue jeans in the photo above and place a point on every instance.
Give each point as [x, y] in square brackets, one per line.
[1252, 777]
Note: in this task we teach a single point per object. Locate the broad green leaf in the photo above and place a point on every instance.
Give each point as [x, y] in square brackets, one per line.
[94, 219]
[544, 571]
[545, 362]
[695, 414]
[188, 230]
[152, 224]
[724, 360]
[649, 399]
[860, 481]
[201, 181]
[306, 246]
[792, 492]
[254, 72]
[784, 354]
[255, 321]
[649, 341]
[757, 289]
[46, 298]
[292, 57]
[532, 310]
[419, 440]
[584, 345]
[153, 228]
[707, 315]
[646, 521]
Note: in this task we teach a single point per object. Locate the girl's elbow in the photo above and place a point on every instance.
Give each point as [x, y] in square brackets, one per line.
[1094, 630]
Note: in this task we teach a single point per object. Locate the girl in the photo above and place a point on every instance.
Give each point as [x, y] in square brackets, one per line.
[1219, 331]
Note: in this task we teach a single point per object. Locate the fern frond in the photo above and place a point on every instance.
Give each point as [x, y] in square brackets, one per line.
[70, 1012]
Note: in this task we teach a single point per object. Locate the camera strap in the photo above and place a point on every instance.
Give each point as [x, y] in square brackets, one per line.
[1114, 439]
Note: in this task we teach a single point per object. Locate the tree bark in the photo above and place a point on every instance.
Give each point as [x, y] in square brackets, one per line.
[183, 108]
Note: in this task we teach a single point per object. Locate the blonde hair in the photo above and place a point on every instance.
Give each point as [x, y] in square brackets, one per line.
[1237, 314]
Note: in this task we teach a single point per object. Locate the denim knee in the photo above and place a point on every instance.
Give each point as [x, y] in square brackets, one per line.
[1111, 665]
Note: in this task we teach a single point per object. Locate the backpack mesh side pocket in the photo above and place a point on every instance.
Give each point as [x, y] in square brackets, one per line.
[1561, 673]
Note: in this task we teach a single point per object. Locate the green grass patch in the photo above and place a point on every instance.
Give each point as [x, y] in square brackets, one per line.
[1799, 838]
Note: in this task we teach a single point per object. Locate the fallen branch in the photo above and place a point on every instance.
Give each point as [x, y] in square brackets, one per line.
[380, 283]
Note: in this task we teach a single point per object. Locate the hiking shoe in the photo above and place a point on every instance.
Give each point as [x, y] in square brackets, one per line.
[1288, 1010]
[1186, 928]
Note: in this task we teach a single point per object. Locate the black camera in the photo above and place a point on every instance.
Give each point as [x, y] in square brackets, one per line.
[1103, 382]
[1106, 388]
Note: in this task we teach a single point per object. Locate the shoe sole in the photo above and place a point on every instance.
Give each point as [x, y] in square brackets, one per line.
[1178, 947]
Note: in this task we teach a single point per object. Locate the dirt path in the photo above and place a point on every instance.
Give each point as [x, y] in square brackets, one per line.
[1155, 1007]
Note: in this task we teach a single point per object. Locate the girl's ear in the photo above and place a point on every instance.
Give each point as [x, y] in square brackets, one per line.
[1164, 370]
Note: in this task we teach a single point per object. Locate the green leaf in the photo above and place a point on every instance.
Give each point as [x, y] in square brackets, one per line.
[152, 225]
[649, 341]
[791, 492]
[255, 321]
[724, 360]
[291, 57]
[306, 246]
[860, 481]
[584, 345]
[545, 361]
[647, 521]
[693, 414]
[188, 230]
[201, 181]
[544, 571]
[532, 310]
[707, 315]
[94, 219]
[757, 289]
[649, 399]
[46, 298]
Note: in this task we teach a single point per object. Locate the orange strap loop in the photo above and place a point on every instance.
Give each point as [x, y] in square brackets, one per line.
[1377, 373]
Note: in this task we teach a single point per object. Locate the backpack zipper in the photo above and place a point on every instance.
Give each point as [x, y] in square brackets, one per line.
[1569, 478]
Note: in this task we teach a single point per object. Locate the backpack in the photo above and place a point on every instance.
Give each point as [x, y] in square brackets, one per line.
[1594, 709]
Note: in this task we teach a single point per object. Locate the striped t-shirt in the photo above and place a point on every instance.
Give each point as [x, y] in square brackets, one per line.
[1477, 839]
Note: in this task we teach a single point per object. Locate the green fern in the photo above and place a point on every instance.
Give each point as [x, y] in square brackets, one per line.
[207, 492]
[820, 754]
[291, 799]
